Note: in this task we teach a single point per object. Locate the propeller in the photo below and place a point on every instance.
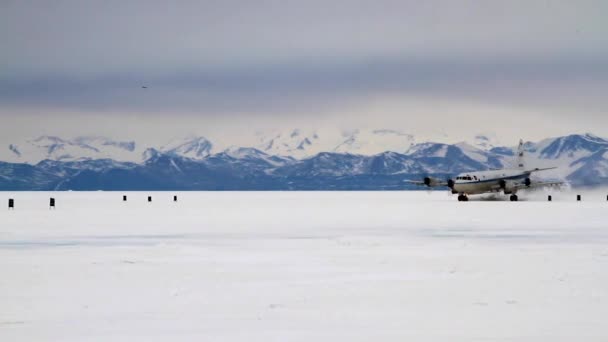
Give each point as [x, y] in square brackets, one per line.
[450, 183]
[502, 183]
[428, 181]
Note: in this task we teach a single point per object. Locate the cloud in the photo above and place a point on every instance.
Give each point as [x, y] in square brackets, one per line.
[294, 88]
[304, 60]
[97, 37]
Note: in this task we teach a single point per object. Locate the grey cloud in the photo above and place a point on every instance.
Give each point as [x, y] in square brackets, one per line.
[285, 88]
[217, 58]
[97, 37]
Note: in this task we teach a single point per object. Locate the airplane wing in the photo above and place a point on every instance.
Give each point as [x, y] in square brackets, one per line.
[414, 182]
[537, 185]
[422, 183]
[430, 182]
[541, 169]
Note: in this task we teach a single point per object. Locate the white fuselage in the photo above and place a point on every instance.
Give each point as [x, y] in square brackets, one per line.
[479, 182]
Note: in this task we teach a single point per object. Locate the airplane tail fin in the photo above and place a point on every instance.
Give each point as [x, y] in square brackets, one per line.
[520, 155]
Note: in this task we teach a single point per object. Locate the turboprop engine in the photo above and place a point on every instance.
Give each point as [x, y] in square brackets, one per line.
[428, 181]
[431, 182]
[507, 186]
[451, 185]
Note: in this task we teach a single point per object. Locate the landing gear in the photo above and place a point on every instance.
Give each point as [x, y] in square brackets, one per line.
[513, 198]
[463, 198]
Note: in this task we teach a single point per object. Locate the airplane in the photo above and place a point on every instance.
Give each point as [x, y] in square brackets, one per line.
[509, 181]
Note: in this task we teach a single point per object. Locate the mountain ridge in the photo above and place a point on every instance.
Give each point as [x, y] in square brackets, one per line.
[192, 164]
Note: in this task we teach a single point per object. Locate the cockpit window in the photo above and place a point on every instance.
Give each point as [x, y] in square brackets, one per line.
[464, 178]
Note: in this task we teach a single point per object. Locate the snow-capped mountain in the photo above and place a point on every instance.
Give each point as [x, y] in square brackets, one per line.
[296, 143]
[393, 163]
[346, 161]
[370, 142]
[590, 170]
[495, 158]
[327, 164]
[299, 143]
[444, 157]
[564, 152]
[79, 148]
[573, 146]
[252, 154]
[192, 147]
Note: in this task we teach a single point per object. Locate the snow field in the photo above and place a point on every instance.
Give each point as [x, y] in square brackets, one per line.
[301, 266]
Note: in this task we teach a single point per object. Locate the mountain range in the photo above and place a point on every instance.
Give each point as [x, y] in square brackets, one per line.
[291, 160]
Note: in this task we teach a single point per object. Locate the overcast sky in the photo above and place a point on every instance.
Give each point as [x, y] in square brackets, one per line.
[514, 68]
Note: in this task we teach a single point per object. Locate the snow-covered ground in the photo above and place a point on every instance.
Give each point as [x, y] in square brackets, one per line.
[302, 266]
